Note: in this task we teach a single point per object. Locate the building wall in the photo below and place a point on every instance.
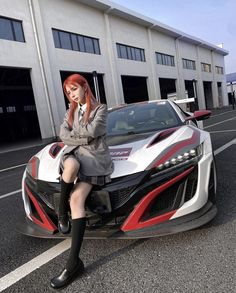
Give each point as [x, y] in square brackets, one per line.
[126, 32]
[166, 45]
[82, 20]
[46, 61]
[24, 55]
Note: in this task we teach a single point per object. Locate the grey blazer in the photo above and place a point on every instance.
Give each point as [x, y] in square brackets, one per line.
[88, 142]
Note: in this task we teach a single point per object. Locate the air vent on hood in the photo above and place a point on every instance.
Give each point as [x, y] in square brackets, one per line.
[162, 135]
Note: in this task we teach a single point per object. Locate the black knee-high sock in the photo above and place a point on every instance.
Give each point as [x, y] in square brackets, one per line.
[64, 197]
[77, 234]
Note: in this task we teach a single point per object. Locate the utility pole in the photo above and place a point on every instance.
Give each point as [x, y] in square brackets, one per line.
[195, 95]
[95, 80]
[232, 95]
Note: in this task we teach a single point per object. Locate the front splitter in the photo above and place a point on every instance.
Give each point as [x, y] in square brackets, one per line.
[188, 222]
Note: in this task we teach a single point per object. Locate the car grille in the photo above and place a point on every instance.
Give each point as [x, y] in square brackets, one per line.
[166, 201]
[191, 185]
[174, 196]
[119, 197]
[47, 192]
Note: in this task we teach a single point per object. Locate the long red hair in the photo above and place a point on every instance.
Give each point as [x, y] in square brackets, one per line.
[91, 103]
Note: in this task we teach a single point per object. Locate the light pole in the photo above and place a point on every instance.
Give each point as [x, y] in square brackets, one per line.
[96, 86]
[195, 94]
[232, 95]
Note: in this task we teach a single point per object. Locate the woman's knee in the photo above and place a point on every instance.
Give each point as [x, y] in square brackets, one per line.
[71, 166]
[79, 195]
[77, 199]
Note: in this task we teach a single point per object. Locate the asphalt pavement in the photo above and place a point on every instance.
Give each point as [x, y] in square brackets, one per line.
[201, 260]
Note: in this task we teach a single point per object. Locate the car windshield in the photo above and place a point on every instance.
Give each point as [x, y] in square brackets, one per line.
[142, 118]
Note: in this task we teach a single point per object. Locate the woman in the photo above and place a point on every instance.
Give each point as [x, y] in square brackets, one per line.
[86, 161]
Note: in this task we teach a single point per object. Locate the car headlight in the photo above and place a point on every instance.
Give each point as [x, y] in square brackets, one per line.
[187, 158]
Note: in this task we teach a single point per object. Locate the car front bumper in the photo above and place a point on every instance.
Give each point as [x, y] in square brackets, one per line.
[188, 222]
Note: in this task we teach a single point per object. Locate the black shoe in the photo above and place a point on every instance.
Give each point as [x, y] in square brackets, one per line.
[64, 224]
[66, 277]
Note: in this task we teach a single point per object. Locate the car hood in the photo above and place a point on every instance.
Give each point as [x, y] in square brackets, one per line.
[135, 155]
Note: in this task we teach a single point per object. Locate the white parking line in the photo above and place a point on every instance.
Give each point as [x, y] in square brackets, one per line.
[13, 167]
[222, 113]
[10, 193]
[27, 268]
[224, 147]
[219, 123]
[220, 131]
[24, 270]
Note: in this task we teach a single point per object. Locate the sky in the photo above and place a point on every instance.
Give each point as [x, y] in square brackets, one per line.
[213, 21]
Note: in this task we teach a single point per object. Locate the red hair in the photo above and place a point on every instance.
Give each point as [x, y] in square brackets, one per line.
[77, 79]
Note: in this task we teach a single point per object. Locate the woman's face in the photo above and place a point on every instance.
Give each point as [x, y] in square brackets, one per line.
[76, 93]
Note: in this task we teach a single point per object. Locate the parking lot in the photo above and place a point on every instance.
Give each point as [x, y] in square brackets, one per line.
[202, 260]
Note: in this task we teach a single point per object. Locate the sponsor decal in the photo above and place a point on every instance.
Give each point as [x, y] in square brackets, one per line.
[120, 154]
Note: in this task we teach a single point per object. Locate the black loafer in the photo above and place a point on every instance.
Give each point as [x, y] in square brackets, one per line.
[66, 277]
[64, 224]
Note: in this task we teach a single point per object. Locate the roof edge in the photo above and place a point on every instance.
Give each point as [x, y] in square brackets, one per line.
[112, 8]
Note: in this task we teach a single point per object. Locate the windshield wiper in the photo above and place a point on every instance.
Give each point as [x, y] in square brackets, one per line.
[130, 133]
[124, 133]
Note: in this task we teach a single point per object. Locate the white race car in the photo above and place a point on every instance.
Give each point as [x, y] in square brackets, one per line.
[164, 178]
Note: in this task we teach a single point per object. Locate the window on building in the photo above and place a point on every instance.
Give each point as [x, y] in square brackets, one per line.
[11, 29]
[189, 64]
[219, 70]
[65, 40]
[88, 45]
[11, 109]
[206, 67]
[29, 108]
[131, 53]
[75, 42]
[165, 59]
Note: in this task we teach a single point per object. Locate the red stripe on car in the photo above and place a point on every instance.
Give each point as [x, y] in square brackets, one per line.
[134, 221]
[33, 163]
[177, 147]
[46, 222]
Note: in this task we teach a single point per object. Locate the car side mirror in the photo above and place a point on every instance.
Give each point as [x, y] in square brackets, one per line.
[199, 115]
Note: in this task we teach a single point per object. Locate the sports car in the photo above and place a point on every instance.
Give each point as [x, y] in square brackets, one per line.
[164, 178]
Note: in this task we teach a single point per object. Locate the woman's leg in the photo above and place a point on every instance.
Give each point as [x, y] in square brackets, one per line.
[74, 265]
[77, 205]
[71, 168]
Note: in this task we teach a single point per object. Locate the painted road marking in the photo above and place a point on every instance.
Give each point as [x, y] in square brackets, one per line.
[220, 131]
[27, 268]
[32, 265]
[221, 113]
[10, 193]
[13, 167]
[219, 123]
[224, 147]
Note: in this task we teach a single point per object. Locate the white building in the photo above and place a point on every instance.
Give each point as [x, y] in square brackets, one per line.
[136, 58]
